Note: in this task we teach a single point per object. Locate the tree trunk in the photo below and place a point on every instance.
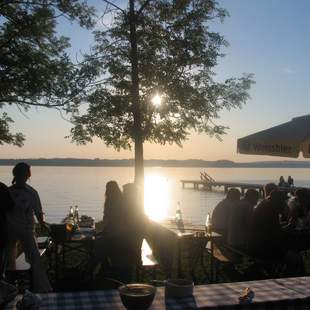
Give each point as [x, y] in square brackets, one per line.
[139, 164]
[138, 135]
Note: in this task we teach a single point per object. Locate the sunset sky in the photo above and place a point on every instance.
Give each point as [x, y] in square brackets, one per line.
[269, 38]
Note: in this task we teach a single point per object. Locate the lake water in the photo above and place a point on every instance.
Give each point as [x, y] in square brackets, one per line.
[61, 187]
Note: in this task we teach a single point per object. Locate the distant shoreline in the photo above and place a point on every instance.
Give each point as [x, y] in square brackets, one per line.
[191, 163]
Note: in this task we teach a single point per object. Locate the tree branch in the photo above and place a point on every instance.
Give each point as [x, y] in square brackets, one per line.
[114, 5]
[143, 6]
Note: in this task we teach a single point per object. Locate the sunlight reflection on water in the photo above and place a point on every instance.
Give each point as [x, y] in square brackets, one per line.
[61, 187]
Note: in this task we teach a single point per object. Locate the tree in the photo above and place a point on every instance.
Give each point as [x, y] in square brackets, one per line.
[35, 69]
[162, 47]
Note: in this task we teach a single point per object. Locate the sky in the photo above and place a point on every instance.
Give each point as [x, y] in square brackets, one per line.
[269, 38]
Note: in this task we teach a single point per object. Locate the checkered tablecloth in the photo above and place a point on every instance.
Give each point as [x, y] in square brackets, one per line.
[282, 294]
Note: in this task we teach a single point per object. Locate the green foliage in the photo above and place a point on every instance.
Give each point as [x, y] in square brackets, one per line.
[35, 69]
[5, 135]
[177, 54]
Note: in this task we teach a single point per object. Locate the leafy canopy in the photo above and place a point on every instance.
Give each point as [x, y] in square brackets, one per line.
[177, 54]
[35, 69]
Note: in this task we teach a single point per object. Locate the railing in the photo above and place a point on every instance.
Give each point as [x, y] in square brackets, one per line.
[204, 176]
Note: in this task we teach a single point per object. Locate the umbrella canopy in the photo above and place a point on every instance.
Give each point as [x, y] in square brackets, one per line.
[286, 140]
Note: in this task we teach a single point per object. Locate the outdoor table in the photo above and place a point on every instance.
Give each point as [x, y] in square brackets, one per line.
[196, 234]
[80, 241]
[272, 294]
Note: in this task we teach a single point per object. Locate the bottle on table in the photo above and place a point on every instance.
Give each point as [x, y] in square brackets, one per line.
[71, 214]
[76, 215]
[208, 224]
[179, 219]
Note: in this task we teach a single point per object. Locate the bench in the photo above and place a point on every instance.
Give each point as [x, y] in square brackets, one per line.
[256, 268]
[225, 258]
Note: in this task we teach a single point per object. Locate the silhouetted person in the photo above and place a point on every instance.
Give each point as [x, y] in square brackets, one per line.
[6, 206]
[268, 188]
[21, 225]
[267, 239]
[133, 203]
[135, 218]
[222, 211]
[239, 220]
[119, 247]
[113, 217]
[290, 181]
[299, 206]
[282, 182]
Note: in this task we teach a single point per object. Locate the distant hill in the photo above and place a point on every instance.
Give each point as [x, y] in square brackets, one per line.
[80, 162]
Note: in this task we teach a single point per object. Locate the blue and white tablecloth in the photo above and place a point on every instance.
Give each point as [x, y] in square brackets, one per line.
[282, 294]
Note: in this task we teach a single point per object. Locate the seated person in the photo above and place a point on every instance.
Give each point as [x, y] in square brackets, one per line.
[299, 206]
[290, 181]
[267, 239]
[221, 212]
[282, 182]
[268, 188]
[119, 247]
[238, 223]
[113, 208]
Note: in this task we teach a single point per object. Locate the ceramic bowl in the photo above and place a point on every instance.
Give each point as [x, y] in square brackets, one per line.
[137, 296]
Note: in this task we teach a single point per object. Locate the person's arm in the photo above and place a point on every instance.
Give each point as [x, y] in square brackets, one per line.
[37, 208]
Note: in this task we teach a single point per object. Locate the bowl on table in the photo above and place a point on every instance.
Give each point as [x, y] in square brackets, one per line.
[137, 296]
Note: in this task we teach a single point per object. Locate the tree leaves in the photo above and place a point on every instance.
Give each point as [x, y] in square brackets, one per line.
[35, 69]
[5, 134]
[177, 54]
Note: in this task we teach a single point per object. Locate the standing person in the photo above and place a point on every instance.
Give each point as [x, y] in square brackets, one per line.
[21, 226]
[6, 206]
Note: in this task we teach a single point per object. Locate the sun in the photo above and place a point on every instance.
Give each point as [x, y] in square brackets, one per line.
[156, 100]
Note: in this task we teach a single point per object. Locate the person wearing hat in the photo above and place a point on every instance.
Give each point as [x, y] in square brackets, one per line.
[21, 226]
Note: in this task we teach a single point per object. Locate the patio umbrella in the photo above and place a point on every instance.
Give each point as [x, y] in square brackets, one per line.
[286, 140]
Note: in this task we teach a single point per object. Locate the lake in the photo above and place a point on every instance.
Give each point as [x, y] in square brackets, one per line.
[61, 187]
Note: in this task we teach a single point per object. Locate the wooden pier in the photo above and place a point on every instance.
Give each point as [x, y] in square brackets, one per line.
[209, 185]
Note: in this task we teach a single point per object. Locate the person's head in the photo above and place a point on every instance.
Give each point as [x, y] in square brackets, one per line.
[130, 191]
[21, 173]
[112, 190]
[233, 194]
[278, 200]
[302, 194]
[252, 196]
[269, 187]
[281, 178]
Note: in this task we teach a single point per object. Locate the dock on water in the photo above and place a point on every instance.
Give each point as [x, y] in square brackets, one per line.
[210, 184]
